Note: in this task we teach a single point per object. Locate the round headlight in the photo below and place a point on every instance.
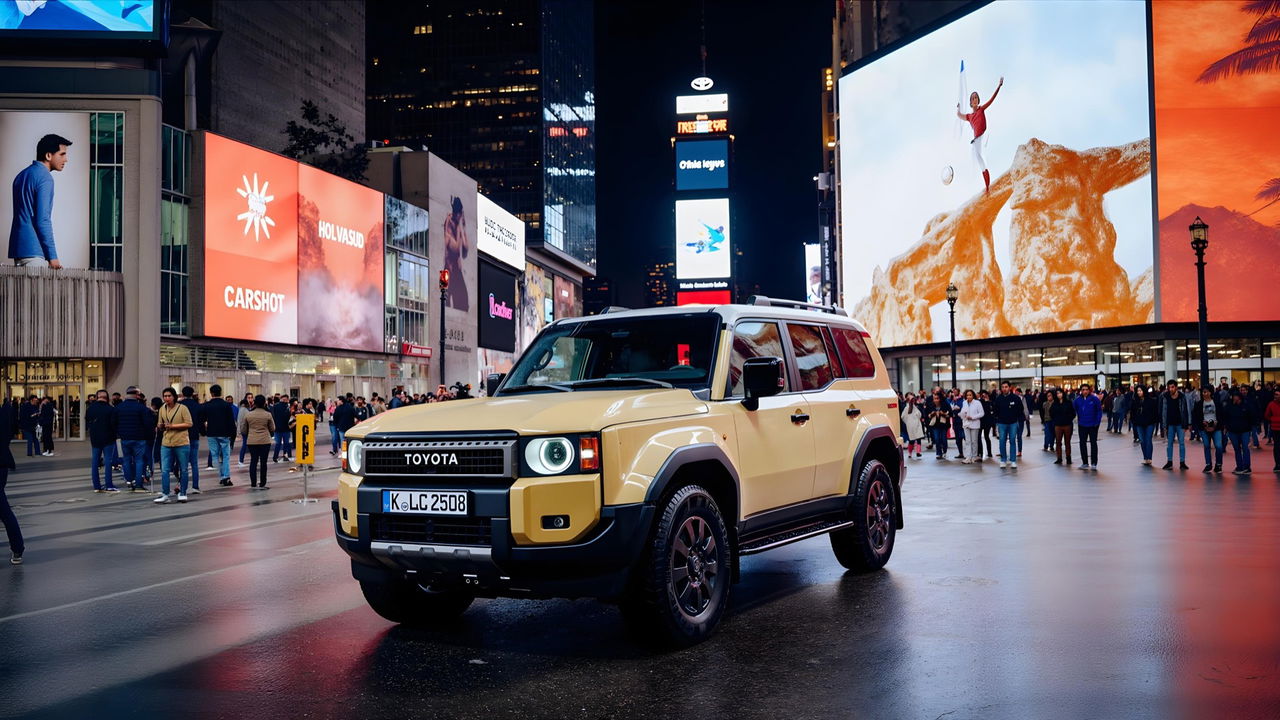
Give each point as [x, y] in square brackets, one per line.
[549, 456]
[355, 456]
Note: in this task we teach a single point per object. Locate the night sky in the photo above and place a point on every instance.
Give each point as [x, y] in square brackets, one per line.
[769, 59]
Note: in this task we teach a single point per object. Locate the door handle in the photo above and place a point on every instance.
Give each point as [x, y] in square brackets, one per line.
[800, 417]
[852, 412]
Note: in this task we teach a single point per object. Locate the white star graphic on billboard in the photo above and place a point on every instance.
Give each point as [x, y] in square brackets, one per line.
[256, 215]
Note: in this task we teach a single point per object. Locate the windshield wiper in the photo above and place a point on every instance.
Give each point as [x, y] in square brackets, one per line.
[617, 382]
[516, 389]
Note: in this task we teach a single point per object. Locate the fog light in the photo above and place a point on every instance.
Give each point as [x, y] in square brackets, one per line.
[555, 522]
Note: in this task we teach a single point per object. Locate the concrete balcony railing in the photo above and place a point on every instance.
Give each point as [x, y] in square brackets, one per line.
[61, 313]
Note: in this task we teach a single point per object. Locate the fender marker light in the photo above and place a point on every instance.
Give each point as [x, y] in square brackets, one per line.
[589, 453]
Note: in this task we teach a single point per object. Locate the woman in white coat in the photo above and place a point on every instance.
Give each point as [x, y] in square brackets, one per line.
[912, 425]
[971, 413]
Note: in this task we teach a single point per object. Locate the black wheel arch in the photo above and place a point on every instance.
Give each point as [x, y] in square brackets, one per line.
[880, 443]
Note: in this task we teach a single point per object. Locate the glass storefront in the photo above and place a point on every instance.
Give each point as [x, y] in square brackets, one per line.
[66, 382]
[1241, 360]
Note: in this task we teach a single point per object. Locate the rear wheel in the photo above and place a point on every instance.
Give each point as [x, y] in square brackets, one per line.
[868, 543]
[407, 603]
[683, 579]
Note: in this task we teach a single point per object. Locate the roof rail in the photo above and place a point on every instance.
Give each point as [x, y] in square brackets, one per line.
[614, 309]
[775, 302]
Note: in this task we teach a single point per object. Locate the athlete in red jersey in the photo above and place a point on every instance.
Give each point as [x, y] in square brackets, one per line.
[978, 121]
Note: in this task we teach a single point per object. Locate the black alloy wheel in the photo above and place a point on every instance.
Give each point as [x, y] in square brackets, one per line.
[867, 544]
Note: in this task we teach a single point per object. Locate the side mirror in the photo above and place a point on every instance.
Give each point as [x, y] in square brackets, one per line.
[492, 382]
[761, 377]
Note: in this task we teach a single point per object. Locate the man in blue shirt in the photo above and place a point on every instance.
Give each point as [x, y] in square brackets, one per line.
[31, 234]
[1088, 416]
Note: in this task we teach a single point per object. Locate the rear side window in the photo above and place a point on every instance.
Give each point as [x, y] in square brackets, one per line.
[813, 357]
[753, 339]
[854, 353]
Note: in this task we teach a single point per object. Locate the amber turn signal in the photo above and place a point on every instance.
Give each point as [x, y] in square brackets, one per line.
[589, 453]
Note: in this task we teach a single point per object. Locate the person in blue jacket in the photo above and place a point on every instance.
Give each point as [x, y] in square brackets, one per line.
[31, 240]
[1088, 409]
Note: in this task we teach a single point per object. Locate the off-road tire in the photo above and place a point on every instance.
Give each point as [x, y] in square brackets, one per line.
[682, 581]
[867, 544]
[408, 604]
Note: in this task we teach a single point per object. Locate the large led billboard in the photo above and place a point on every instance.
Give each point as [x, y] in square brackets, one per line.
[702, 165]
[452, 205]
[703, 248]
[68, 213]
[250, 243]
[1049, 103]
[82, 19]
[340, 259]
[1217, 121]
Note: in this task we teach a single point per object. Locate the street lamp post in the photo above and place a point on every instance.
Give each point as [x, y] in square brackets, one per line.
[444, 297]
[1200, 243]
[952, 294]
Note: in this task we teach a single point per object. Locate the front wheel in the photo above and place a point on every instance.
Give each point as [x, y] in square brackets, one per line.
[868, 543]
[408, 604]
[683, 579]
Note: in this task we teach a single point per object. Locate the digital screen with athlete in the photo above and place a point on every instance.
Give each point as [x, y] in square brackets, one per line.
[998, 189]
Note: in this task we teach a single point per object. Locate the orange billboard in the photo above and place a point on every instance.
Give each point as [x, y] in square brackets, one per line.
[250, 243]
[340, 258]
[1217, 108]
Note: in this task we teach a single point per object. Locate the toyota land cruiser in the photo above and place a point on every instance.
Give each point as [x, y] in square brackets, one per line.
[633, 456]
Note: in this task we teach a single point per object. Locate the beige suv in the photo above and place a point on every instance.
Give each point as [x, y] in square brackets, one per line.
[633, 456]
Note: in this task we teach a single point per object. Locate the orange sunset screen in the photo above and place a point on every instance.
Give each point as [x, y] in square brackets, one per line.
[1218, 142]
[251, 243]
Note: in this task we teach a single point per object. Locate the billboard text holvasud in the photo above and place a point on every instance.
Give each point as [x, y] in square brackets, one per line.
[292, 254]
[340, 258]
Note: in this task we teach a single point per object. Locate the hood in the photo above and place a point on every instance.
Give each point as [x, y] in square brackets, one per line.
[537, 413]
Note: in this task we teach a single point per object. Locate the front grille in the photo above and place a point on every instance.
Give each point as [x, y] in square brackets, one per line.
[453, 458]
[431, 530]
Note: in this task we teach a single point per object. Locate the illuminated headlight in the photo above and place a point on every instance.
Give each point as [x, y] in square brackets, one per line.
[549, 456]
[354, 457]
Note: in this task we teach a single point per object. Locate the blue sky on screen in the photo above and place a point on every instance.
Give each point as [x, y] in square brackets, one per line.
[1075, 75]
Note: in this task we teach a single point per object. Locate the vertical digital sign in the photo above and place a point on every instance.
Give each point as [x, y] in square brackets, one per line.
[702, 164]
[703, 247]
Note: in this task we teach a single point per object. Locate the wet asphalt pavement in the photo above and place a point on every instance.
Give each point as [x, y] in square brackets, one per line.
[1044, 592]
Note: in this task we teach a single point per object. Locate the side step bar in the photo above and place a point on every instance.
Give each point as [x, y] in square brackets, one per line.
[794, 535]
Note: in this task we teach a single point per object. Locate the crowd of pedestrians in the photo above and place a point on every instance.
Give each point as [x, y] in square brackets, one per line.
[1240, 415]
[130, 436]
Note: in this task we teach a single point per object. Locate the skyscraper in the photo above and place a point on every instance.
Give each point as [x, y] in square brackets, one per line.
[504, 91]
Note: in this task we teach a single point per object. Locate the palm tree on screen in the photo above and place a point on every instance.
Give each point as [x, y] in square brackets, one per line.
[1260, 55]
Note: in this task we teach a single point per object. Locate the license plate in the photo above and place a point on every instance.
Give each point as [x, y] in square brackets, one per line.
[425, 502]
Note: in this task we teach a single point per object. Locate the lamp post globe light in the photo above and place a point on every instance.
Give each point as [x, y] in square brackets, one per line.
[1200, 243]
[952, 295]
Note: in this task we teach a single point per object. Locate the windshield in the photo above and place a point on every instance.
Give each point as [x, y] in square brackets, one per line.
[654, 351]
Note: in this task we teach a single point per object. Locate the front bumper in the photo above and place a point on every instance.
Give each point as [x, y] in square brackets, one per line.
[598, 565]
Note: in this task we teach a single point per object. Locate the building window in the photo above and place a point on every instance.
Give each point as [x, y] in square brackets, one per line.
[175, 212]
[106, 188]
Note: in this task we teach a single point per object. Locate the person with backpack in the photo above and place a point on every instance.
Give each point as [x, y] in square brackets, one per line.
[1208, 415]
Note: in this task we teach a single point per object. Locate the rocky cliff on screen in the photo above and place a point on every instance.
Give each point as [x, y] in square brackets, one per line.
[1062, 250]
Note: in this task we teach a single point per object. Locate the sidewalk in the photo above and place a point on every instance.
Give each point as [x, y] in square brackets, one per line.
[53, 497]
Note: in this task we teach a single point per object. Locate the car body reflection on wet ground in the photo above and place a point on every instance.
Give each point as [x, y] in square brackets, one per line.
[1042, 592]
